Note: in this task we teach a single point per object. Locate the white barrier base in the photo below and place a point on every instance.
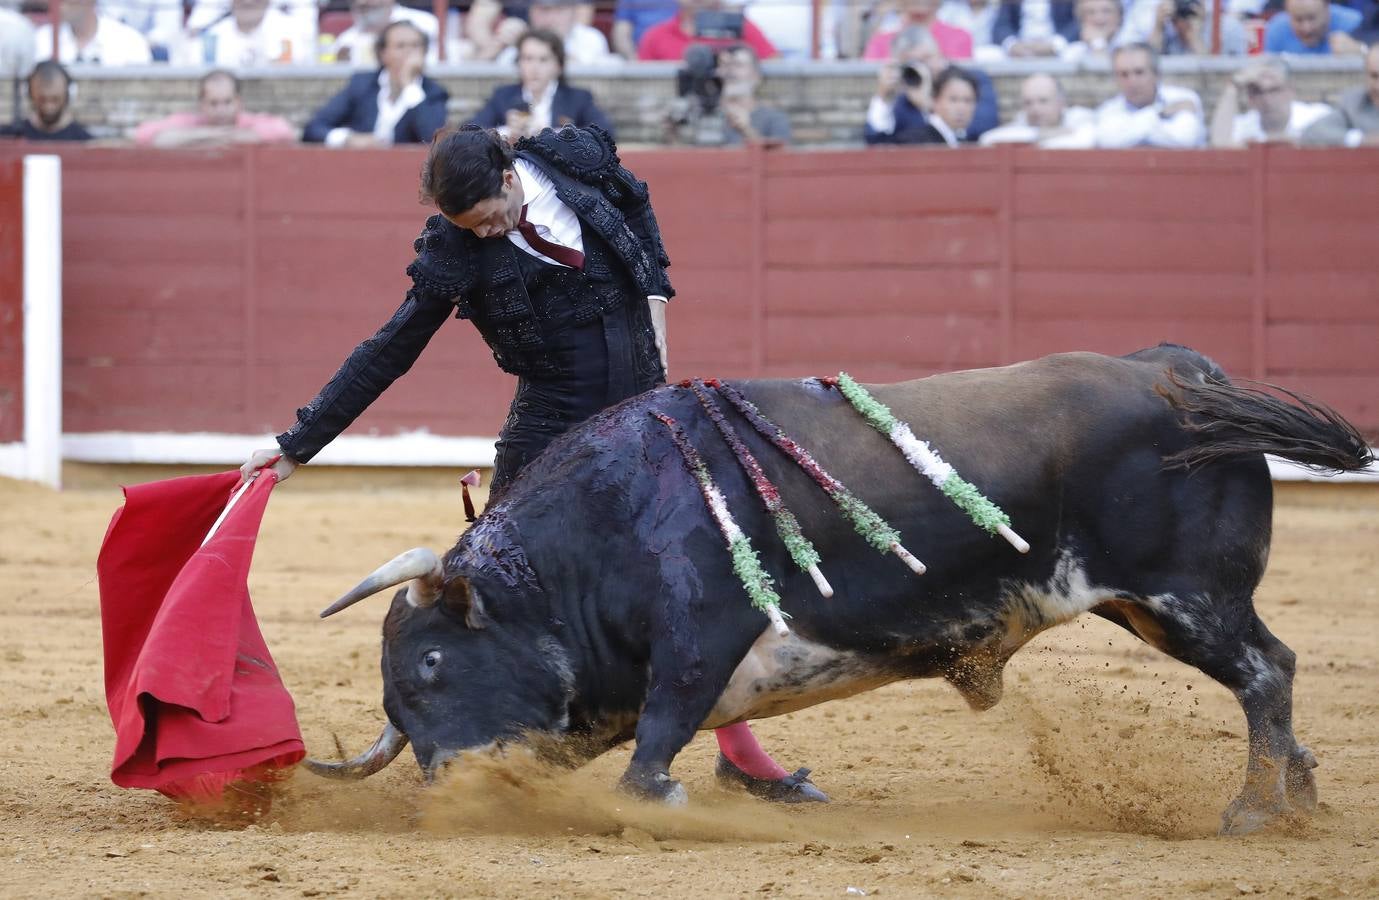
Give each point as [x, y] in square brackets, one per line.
[416, 448]
[1283, 470]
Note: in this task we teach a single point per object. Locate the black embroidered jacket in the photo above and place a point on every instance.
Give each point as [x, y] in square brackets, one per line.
[457, 273]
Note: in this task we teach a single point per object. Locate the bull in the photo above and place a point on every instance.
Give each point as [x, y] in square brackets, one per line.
[594, 602]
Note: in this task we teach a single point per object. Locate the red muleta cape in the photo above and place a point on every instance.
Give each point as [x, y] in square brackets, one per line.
[195, 697]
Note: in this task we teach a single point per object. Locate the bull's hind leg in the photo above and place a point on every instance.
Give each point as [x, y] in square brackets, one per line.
[1229, 643]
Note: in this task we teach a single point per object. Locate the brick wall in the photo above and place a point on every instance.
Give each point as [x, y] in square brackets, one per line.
[826, 101]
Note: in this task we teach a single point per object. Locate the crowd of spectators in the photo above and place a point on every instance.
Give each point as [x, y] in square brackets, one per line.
[930, 86]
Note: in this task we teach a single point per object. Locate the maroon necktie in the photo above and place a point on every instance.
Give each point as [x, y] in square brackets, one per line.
[563, 255]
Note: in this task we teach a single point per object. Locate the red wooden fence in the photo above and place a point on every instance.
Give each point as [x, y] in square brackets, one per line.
[218, 291]
[11, 300]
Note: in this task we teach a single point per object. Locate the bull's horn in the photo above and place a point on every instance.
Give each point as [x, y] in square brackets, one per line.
[419, 565]
[383, 751]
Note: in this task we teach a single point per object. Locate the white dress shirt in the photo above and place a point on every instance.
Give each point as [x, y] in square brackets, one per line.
[540, 106]
[1247, 128]
[390, 112]
[1079, 123]
[115, 44]
[554, 221]
[1118, 124]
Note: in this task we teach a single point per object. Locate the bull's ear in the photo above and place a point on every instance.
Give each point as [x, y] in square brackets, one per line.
[460, 599]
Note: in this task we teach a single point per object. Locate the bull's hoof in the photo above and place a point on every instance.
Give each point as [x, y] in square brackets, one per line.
[1251, 812]
[795, 788]
[657, 788]
[1299, 781]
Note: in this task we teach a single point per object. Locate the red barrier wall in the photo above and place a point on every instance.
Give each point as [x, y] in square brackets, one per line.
[217, 291]
[11, 300]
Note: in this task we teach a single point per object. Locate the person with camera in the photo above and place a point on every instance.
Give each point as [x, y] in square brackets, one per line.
[1183, 28]
[1147, 113]
[541, 98]
[702, 23]
[898, 112]
[1274, 114]
[717, 104]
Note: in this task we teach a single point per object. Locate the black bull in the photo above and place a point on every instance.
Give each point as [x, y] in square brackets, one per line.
[595, 601]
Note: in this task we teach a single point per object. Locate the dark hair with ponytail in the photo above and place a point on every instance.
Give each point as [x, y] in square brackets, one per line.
[464, 168]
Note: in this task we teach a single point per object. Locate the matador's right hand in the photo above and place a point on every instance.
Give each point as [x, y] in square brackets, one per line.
[282, 464]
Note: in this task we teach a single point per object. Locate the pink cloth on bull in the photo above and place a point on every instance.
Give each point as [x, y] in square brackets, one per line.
[740, 746]
[193, 692]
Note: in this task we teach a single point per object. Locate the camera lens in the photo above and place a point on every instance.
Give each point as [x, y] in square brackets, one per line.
[911, 76]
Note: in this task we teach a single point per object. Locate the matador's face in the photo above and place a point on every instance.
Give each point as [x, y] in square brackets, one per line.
[497, 215]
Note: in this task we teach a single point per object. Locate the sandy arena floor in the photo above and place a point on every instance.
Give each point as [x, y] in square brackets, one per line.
[1102, 772]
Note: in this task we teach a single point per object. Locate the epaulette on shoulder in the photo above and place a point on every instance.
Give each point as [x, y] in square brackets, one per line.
[441, 268]
[586, 154]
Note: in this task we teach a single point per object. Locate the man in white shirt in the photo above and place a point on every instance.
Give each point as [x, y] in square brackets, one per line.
[1046, 119]
[254, 34]
[1147, 113]
[86, 37]
[355, 45]
[1274, 113]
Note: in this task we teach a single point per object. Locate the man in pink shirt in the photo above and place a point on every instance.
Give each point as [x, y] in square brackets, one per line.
[220, 119]
[954, 43]
[670, 39]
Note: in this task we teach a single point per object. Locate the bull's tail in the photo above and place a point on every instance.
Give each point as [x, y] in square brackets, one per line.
[1230, 421]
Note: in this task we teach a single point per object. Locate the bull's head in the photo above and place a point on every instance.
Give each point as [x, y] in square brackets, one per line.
[455, 677]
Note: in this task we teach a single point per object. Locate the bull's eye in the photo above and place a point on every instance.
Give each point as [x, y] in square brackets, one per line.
[431, 659]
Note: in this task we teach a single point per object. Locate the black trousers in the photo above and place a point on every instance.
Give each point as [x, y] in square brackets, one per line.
[603, 370]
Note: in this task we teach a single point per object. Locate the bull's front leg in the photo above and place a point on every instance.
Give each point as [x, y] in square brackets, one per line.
[689, 670]
[669, 720]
